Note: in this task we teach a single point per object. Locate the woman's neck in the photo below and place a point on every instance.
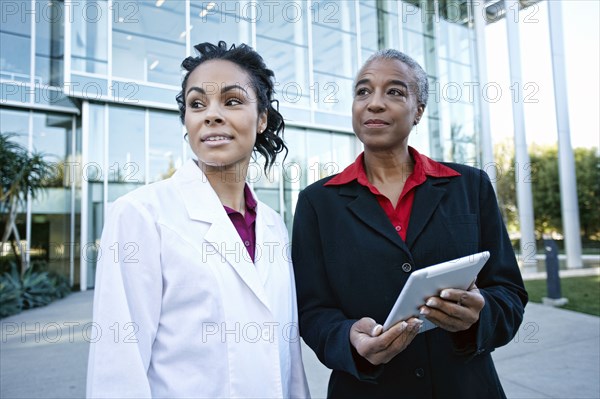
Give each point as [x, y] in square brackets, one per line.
[229, 185]
[388, 166]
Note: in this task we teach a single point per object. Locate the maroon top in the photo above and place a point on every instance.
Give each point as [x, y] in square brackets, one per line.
[245, 224]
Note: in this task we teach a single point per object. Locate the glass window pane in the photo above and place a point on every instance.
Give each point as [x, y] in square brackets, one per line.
[319, 151]
[334, 93]
[414, 45]
[148, 41]
[89, 36]
[15, 123]
[94, 172]
[49, 42]
[368, 27]
[165, 147]
[15, 41]
[126, 160]
[215, 21]
[294, 171]
[412, 16]
[338, 15]
[343, 152]
[283, 45]
[51, 211]
[335, 52]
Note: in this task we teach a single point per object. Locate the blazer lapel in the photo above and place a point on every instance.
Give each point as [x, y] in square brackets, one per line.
[366, 208]
[427, 199]
[203, 205]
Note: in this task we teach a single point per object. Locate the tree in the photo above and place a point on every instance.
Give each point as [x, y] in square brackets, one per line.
[505, 183]
[21, 174]
[587, 171]
[545, 188]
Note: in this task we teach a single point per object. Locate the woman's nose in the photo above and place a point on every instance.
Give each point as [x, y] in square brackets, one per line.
[376, 103]
[213, 116]
[210, 120]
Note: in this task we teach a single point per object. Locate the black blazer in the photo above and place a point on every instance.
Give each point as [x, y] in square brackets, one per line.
[350, 263]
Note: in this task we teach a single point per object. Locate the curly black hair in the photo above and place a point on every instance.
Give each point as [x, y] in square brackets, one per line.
[270, 142]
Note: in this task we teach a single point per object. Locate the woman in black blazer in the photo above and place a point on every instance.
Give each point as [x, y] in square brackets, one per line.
[358, 235]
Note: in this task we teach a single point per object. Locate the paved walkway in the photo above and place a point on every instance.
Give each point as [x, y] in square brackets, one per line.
[43, 354]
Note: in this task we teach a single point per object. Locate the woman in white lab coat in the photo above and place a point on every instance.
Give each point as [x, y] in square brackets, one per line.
[195, 293]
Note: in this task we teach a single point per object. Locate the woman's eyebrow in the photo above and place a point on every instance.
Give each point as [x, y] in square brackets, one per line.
[224, 89]
[390, 82]
[360, 82]
[398, 83]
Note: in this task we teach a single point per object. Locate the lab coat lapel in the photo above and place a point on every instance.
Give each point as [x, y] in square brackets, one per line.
[268, 243]
[426, 201]
[366, 208]
[203, 205]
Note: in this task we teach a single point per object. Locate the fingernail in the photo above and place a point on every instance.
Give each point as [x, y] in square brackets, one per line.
[430, 302]
[376, 330]
[424, 310]
[445, 294]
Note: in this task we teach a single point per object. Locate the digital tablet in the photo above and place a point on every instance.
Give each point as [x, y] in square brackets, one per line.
[430, 281]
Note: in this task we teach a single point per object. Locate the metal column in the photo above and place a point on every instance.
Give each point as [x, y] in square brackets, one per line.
[487, 149]
[566, 162]
[523, 164]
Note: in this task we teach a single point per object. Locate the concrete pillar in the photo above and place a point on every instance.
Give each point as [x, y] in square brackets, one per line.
[485, 136]
[523, 164]
[566, 161]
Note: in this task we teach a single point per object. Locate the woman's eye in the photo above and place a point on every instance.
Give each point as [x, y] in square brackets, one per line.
[233, 101]
[196, 104]
[396, 92]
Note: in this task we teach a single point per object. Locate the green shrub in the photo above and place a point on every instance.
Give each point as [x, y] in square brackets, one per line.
[37, 287]
[11, 293]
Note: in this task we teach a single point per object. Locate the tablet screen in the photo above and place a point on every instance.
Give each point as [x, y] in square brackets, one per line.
[427, 282]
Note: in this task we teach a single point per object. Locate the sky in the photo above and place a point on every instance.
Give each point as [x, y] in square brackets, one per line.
[581, 42]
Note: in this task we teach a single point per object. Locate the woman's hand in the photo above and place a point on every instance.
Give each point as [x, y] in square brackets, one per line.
[380, 347]
[454, 310]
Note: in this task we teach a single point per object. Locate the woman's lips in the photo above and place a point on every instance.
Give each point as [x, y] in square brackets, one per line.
[376, 123]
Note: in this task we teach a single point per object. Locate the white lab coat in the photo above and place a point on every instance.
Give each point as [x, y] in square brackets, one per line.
[181, 311]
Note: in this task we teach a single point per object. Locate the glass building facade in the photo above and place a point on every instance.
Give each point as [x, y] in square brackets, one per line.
[92, 85]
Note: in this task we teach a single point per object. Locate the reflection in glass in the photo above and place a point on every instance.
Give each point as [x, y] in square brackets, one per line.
[294, 171]
[126, 151]
[51, 212]
[93, 171]
[165, 148]
[15, 41]
[148, 41]
[89, 37]
[284, 47]
[335, 61]
[214, 21]
[49, 43]
[15, 122]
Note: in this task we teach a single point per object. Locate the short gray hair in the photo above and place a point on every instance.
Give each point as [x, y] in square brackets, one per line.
[422, 89]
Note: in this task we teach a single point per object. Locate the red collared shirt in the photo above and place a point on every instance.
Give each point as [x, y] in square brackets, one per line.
[399, 216]
[245, 224]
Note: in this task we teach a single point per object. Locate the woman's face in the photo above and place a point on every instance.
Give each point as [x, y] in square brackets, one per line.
[385, 106]
[221, 115]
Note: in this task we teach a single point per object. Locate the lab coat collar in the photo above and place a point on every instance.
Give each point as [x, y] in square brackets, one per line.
[203, 205]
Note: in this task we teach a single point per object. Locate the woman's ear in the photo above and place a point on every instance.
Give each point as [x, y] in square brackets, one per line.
[262, 122]
[420, 111]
